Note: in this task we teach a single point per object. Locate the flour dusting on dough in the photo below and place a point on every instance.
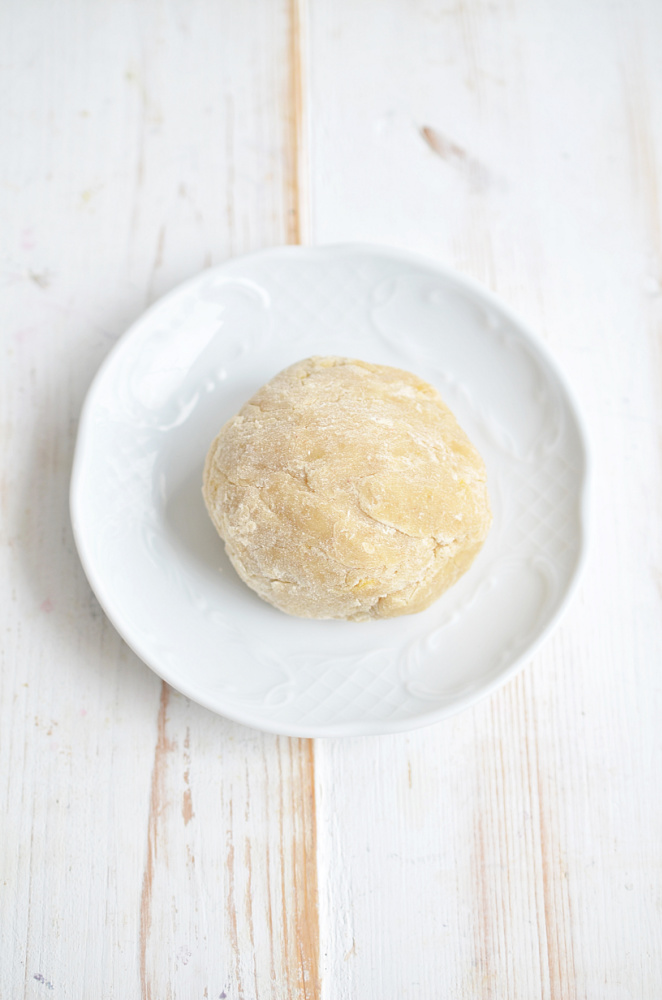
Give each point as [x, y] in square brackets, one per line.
[348, 490]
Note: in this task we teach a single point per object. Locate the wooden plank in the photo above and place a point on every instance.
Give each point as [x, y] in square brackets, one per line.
[512, 852]
[150, 848]
[230, 877]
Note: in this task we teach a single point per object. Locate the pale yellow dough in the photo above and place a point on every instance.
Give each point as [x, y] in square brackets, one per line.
[344, 489]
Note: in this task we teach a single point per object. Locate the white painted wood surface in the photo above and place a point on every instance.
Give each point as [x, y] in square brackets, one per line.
[150, 849]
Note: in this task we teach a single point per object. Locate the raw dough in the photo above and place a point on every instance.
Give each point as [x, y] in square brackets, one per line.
[344, 489]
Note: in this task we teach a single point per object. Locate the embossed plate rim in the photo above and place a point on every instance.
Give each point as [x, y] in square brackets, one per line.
[474, 291]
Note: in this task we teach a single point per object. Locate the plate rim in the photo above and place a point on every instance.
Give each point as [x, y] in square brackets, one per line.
[368, 727]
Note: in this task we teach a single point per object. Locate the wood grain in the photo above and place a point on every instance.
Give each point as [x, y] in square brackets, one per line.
[296, 151]
[156, 806]
[151, 849]
[493, 856]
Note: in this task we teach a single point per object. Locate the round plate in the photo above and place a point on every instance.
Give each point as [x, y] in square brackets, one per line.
[160, 571]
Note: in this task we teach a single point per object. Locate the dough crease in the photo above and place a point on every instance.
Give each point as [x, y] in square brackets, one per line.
[345, 489]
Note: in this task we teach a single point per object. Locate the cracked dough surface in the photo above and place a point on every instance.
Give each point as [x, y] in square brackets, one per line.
[344, 489]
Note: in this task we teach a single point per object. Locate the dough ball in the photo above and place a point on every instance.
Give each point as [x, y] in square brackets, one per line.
[344, 489]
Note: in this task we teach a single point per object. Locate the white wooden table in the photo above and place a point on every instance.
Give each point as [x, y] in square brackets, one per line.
[150, 849]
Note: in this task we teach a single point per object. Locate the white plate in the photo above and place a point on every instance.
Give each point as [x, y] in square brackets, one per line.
[160, 571]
